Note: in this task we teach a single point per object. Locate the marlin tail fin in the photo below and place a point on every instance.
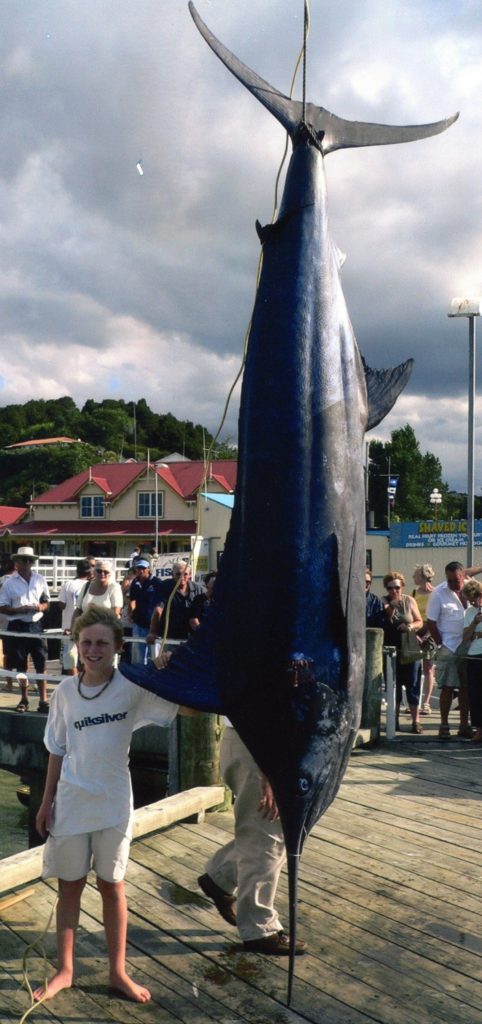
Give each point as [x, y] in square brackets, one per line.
[331, 131]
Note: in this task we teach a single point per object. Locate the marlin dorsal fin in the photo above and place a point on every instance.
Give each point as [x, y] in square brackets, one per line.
[332, 132]
[383, 389]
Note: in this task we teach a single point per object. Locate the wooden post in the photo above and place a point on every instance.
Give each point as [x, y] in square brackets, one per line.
[200, 740]
[372, 694]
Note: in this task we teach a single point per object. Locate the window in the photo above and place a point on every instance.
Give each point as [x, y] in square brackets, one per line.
[92, 506]
[146, 504]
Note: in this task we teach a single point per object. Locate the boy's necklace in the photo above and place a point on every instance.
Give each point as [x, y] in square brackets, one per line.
[95, 695]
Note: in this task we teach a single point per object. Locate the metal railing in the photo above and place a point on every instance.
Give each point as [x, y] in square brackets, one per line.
[57, 569]
[59, 635]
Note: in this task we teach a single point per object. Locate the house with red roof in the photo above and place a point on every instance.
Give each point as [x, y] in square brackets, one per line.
[9, 515]
[112, 507]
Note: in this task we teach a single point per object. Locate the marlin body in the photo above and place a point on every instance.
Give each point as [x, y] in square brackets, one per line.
[283, 648]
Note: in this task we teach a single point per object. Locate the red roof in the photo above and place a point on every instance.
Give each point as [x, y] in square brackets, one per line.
[106, 527]
[187, 477]
[113, 478]
[102, 483]
[9, 514]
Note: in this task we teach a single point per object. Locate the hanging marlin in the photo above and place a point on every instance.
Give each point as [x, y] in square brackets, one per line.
[282, 649]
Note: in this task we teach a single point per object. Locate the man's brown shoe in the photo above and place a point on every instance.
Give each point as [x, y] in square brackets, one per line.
[277, 944]
[224, 903]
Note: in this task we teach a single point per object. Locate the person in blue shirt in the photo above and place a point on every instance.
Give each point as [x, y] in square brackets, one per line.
[179, 614]
[375, 612]
[144, 595]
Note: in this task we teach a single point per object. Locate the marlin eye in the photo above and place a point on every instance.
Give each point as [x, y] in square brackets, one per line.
[303, 785]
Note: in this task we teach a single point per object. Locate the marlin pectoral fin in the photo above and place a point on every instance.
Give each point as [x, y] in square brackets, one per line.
[383, 388]
[332, 132]
[188, 679]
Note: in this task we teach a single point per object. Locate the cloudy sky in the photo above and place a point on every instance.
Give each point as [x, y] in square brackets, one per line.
[117, 284]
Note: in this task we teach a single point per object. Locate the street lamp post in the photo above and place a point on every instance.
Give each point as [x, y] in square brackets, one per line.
[435, 500]
[469, 308]
[157, 465]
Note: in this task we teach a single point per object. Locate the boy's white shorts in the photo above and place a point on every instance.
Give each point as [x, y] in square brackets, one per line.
[72, 857]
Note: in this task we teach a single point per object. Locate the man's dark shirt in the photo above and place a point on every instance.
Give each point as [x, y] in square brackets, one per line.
[146, 594]
[375, 615]
[180, 610]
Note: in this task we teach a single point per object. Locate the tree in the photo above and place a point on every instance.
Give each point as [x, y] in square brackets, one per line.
[106, 424]
[107, 430]
[418, 473]
[24, 475]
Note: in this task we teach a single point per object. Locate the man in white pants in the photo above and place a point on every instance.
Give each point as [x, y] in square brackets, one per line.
[251, 863]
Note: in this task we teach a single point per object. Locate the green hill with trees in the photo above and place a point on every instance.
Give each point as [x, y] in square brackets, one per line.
[108, 431]
[112, 430]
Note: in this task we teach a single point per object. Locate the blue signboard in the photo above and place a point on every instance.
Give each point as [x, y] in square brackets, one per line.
[433, 533]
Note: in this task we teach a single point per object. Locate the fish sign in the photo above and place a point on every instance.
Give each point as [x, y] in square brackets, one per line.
[282, 649]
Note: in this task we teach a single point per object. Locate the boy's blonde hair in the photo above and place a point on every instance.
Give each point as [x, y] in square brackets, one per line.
[98, 616]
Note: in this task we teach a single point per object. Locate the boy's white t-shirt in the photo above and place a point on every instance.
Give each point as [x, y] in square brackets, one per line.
[93, 737]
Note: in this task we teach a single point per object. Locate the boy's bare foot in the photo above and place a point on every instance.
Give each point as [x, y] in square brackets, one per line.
[125, 986]
[63, 979]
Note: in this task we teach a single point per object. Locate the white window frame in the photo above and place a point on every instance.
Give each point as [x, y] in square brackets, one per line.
[151, 495]
[89, 501]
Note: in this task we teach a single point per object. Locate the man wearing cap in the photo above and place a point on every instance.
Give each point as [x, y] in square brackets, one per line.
[68, 595]
[24, 598]
[183, 592]
[144, 596]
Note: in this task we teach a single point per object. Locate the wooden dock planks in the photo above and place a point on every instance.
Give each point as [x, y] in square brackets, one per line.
[390, 904]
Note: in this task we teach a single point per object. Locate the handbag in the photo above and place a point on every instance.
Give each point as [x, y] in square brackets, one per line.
[410, 649]
[429, 648]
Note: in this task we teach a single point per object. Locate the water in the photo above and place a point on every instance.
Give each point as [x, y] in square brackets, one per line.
[13, 817]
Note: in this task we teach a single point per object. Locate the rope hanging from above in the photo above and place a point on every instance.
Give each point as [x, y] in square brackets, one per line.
[306, 28]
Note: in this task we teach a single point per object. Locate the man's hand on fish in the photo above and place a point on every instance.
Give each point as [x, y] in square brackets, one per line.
[162, 659]
[267, 804]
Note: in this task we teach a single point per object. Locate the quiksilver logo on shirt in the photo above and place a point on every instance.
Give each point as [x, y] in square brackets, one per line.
[100, 719]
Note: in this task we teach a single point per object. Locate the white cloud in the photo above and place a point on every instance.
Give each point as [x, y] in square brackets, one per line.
[441, 426]
[113, 283]
[169, 371]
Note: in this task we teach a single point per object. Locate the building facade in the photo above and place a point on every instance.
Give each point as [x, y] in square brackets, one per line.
[111, 508]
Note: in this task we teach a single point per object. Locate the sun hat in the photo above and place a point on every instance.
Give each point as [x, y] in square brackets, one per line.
[25, 552]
